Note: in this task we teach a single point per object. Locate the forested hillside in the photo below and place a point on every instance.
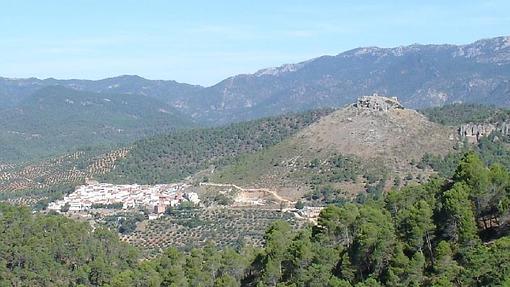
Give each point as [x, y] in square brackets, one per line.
[15, 91]
[51, 250]
[177, 155]
[56, 119]
[447, 232]
[457, 114]
[493, 149]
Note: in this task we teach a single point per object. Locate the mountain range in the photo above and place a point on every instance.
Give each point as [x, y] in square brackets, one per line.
[14, 91]
[419, 75]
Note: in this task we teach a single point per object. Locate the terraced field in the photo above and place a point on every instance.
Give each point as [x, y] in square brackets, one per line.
[26, 183]
[194, 227]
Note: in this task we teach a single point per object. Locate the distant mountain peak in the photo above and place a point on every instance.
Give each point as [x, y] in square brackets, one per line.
[502, 40]
[277, 71]
[420, 75]
[493, 50]
[364, 50]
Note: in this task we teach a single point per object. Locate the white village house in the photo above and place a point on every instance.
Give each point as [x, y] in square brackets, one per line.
[155, 198]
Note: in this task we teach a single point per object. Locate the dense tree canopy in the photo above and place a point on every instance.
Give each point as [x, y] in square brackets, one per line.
[447, 232]
[177, 155]
[457, 114]
[51, 250]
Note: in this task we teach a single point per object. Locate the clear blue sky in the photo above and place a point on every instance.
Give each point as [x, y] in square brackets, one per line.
[202, 42]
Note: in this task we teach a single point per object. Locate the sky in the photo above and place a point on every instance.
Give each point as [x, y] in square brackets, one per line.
[203, 42]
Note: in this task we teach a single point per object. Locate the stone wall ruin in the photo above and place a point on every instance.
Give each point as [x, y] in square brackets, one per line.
[378, 103]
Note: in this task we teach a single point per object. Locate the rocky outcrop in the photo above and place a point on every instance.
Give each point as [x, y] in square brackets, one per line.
[473, 132]
[378, 103]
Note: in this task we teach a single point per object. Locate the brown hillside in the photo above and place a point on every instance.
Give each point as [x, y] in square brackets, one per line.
[396, 135]
[376, 133]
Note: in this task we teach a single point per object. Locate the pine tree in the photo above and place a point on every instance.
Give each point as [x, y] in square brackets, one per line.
[461, 221]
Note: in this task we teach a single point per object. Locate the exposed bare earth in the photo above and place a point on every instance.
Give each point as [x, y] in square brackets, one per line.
[250, 195]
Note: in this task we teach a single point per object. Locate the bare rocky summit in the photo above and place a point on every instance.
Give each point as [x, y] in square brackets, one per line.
[379, 127]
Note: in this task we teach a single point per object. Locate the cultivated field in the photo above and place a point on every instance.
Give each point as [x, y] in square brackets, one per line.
[29, 183]
[195, 227]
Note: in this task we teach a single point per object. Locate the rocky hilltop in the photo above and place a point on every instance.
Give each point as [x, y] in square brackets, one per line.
[379, 127]
[378, 103]
[374, 132]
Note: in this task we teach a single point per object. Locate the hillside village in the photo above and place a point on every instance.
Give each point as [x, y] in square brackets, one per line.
[154, 198]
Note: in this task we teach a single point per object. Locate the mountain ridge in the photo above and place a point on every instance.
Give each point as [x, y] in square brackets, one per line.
[420, 75]
[123, 84]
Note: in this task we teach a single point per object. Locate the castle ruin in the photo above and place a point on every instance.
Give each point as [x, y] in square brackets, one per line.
[378, 103]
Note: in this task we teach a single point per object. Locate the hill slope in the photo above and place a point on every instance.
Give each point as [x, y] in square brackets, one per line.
[177, 155]
[355, 145]
[158, 159]
[55, 119]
